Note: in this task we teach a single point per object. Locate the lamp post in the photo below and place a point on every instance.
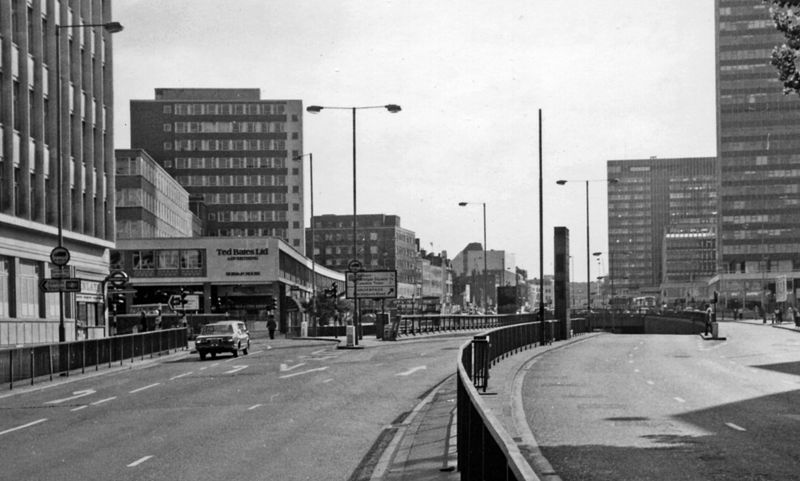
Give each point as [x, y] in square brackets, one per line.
[588, 258]
[315, 109]
[110, 27]
[485, 264]
[313, 238]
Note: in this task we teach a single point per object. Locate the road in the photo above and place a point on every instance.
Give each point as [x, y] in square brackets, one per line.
[632, 407]
[290, 410]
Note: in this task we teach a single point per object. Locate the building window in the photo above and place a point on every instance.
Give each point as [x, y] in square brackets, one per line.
[167, 145]
[295, 207]
[143, 260]
[192, 259]
[167, 109]
[167, 127]
[168, 259]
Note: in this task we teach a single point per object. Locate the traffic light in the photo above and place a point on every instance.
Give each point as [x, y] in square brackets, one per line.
[271, 304]
[117, 301]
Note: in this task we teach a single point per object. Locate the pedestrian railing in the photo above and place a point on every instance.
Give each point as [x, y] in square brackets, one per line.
[412, 325]
[27, 364]
[485, 449]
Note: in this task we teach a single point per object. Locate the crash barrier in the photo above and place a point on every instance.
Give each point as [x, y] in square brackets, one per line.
[412, 325]
[27, 364]
[485, 450]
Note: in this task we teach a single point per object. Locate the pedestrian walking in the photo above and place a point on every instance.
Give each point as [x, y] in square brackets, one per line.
[709, 315]
[777, 317]
[271, 325]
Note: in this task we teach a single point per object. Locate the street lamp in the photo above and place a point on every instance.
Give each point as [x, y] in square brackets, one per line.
[315, 109]
[313, 238]
[110, 27]
[588, 258]
[485, 270]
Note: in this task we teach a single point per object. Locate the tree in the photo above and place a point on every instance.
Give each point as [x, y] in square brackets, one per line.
[785, 57]
[327, 307]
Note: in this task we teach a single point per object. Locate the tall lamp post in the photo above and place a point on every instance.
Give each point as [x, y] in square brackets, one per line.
[485, 264]
[110, 27]
[313, 238]
[588, 250]
[315, 109]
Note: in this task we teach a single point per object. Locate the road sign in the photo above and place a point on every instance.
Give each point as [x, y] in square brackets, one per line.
[354, 266]
[175, 302]
[60, 272]
[60, 285]
[118, 278]
[372, 284]
[59, 256]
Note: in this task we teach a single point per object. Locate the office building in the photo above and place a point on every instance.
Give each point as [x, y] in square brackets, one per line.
[759, 152]
[236, 150]
[31, 117]
[653, 200]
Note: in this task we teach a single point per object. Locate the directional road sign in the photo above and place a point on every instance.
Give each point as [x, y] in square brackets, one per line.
[372, 284]
[61, 285]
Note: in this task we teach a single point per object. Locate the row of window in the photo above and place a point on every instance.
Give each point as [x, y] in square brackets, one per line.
[225, 163]
[225, 109]
[212, 145]
[238, 180]
[245, 198]
[278, 232]
[248, 216]
[226, 127]
[168, 259]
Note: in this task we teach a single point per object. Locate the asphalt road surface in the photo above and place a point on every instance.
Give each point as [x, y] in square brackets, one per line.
[661, 407]
[290, 410]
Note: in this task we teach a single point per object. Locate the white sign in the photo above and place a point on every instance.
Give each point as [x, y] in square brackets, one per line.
[371, 284]
[780, 289]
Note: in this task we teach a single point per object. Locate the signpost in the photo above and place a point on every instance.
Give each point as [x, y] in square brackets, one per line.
[61, 285]
[371, 284]
[59, 256]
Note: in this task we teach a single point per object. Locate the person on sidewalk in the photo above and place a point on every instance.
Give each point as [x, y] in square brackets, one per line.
[271, 325]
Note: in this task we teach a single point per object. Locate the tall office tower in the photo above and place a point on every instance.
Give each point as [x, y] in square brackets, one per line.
[758, 148]
[655, 198]
[234, 149]
[31, 119]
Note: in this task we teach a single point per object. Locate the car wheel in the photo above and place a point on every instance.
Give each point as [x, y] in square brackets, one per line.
[244, 351]
[202, 356]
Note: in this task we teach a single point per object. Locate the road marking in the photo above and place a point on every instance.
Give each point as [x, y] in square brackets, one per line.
[679, 399]
[254, 352]
[104, 400]
[318, 351]
[411, 371]
[285, 367]
[273, 396]
[328, 380]
[181, 375]
[139, 461]
[143, 388]
[235, 369]
[204, 368]
[303, 372]
[215, 364]
[650, 382]
[636, 370]
[254, 407]
[735, 426]
[75, 395]
[23, 426]
[80, 407]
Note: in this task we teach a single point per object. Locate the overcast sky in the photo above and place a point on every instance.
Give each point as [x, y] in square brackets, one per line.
[622, 79]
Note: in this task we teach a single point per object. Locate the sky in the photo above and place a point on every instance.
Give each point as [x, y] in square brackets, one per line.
[621, 79]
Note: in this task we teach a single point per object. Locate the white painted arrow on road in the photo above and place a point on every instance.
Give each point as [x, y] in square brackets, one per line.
[411, 371]
[285, 367]
[75, 395]
[235, 369]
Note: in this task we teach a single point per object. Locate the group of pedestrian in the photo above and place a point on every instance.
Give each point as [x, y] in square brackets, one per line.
[779, 316]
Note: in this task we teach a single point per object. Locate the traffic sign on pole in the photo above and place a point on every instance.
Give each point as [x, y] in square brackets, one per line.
[118, 278]
[60, 285]
[59, 256]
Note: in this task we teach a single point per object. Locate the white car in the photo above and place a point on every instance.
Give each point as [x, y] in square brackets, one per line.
[223, 336]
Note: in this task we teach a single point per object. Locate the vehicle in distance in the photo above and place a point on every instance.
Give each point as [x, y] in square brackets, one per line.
[222, 336]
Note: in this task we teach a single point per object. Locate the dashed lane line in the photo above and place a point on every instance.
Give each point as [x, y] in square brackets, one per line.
[679, 399]
[144, 387]
[652, 383]
[139, 461]
[182, 375]
[255, 406]
[79, 408]
[23, 426]
[303, 372]
[104, 400]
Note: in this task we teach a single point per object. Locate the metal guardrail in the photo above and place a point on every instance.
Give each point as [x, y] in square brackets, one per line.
[411, 325]
[26, 364]
[485, 450]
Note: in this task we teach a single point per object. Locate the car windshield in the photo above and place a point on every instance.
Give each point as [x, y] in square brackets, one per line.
[217, 329]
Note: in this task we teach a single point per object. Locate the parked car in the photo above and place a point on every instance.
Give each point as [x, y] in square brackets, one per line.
[222, 336]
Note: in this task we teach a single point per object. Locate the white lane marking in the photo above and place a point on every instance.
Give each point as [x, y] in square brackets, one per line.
[318, 351]
[181, 375]
[650, 382]
[139, 461]
[411, 371]
[285, 367]
[630, 361]
[325, 358]
[80, 407]
[735, 426]
[303, 372]
[254, 352]
[328, 380]
[236, 368]
[679, 399]
[75, 395]
[143, 388]
[204, 368]
[273, 397]
[104, 400]
[254, 407]
[269, 347]
[636, 370]
[215, 364]
[23, 426]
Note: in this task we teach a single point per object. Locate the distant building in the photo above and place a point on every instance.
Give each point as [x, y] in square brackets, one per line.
[468, 272]
[236, 150]
[30, 118]
[655, 200]
[150, 202]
